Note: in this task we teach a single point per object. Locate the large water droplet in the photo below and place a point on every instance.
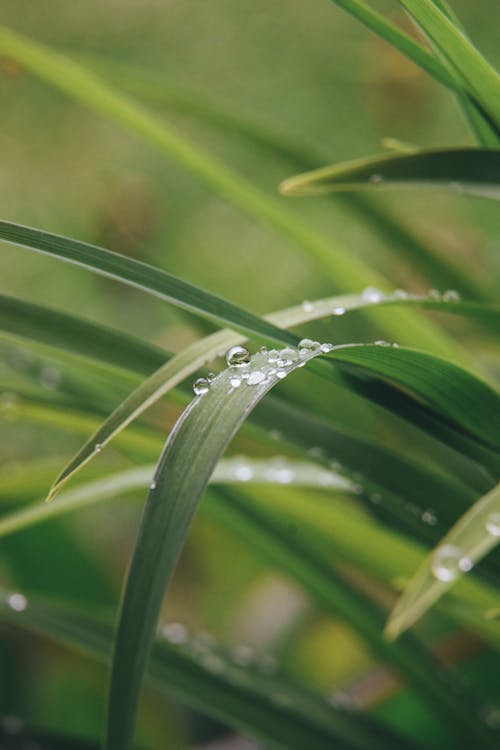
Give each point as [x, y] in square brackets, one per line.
[448, 562]
[451, 295]
[256, 377]
[273, 355]
[305, 344]
[493, 524]
[237, 356]
[200, 386]
[17, 602]
[288, 356]
[371, 294]
[175, 632]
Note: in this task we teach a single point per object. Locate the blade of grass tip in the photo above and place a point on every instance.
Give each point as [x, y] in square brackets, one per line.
[479, 77]
[464, 170]
[204, 351]
[346, 271]
[471, 538]
[269, 707]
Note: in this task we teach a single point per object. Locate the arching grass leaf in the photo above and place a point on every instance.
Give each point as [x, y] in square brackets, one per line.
[472, 537]
[468, 170]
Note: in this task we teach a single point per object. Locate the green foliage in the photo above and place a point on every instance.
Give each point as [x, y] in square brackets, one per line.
[371, 474]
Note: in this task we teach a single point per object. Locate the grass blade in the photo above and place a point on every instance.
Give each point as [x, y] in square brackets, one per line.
[480, 79]
[468, 170]
[473, 536]
[201, 352]
[345, 270]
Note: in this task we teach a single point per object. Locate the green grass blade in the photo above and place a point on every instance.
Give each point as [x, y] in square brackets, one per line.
[181, 477]
[26, 738]
[201, 352]
[473, 536]
[346, 271]
[468, 170]
[142, 276]
[450, 393]
[211, 683]
[480, 79]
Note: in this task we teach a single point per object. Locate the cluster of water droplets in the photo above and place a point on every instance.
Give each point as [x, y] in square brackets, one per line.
[266, 366]
[280, 470]
[449, 562]
[203, 647]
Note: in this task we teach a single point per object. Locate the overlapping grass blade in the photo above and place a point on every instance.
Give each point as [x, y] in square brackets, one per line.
[478, 76]
[211, 683]
[142, 276]
[346, 271]
[183, 472]
[198, 354]
[472, 537]
[468, 170]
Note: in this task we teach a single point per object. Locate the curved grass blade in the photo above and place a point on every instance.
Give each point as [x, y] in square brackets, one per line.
[201, 352]
[469, 170]
[478, 76]
[182, 474]
[450, 393]
[473, 536]
[345, 270]
[145, 277]
[211, 683]
[231, 470]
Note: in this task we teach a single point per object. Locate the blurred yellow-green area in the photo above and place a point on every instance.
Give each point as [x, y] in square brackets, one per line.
[306, 71]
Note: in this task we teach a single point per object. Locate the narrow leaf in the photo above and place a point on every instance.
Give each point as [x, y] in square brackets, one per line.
[473, 536]
[467, 170]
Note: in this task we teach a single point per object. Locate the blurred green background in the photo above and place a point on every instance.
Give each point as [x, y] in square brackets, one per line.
[304, 69]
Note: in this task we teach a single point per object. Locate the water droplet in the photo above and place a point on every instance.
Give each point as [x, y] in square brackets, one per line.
[97, 447]
[288, 356]
[256, 377]
[235, 381]
[429, 517]
[50, 378]
[211, 377]
[175, 632]
[243, 472]
[376, 179]
[400, 294]
[242, 655]
[380, 342]
[279, 472]
[200, 386]
[451, 295]
[371, 294]
[305, 344]
[281, 374]
[449, 562]
[212, 662]
[152, 486]
[434, 294]
[395, 345]
[326, 347]
[493, 524]
[237, 356]
[491, 716]
[307, 306]
[263, 349]
[273, 355]
[338, 311]
[17, 602]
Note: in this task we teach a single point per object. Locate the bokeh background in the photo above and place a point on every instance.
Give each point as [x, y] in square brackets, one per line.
[303, 69]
